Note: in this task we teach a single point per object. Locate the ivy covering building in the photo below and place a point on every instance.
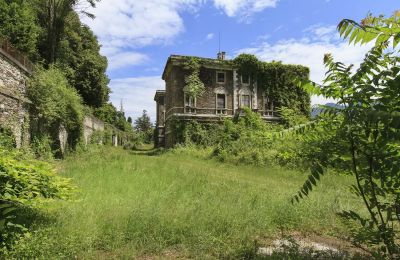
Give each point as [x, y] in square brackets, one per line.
[210, 90]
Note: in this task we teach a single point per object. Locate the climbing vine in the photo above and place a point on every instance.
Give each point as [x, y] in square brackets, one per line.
[277, 80]
[194, 86]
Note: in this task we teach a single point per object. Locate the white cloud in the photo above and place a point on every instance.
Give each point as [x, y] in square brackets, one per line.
[309, 51]
[244, 8]
[127, 23]
[123, 25]
[210, 36]
[137, 94]
[123, 59]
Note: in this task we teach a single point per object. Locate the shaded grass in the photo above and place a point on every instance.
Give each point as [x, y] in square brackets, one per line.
[133, 205]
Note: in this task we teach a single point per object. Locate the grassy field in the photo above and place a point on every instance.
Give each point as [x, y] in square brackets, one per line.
[175, 204]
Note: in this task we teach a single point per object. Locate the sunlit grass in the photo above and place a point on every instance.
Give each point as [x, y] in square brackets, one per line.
[133, 205]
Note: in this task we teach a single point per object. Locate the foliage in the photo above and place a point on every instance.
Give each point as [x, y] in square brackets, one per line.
[194, 86]
[248, 64]
[50, 32]
[56, 105]
[53, 17]
[144, 127]
[292, 117]
[367, 131]
[25, 183]
[379, 29]
[248, 139]
[7, 139]
[107, 113]
[42, 147]
[18, 25]
[277, 80]
[79, 55]
[195, 133]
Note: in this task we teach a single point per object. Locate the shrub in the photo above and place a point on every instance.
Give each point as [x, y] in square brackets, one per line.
[25, 183]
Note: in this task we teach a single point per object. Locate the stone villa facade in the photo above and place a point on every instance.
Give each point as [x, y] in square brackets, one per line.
[226, 92]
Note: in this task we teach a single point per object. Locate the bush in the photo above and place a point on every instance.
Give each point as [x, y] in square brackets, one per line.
[41, 147]
[25, 183]
[55, 105]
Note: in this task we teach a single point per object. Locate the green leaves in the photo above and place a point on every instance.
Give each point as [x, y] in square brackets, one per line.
[368, 126]
[25, 182]
[55, 103]
[316, 172]
[371, 28]
[279, 82]
[194, 86]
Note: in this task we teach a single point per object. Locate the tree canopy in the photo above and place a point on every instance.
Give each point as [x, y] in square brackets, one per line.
[51, 33]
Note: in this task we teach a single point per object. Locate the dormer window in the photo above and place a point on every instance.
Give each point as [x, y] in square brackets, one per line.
[245, 79]
[220, 77]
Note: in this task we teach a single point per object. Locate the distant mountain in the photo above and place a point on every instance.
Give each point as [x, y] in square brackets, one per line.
[316, 110]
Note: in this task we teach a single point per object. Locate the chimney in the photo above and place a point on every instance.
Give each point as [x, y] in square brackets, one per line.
[221, 55]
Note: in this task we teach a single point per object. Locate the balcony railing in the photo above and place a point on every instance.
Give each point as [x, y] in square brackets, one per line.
[212, 112]
[196, 111]
[269, 113]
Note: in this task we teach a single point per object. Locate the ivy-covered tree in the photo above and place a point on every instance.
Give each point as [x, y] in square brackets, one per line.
[367, 130]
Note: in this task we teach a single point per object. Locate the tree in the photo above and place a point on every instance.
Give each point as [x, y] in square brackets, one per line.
[79, 55]
[144, 127]
[367, 129]
[53, 16]
[143, 123]
[107, 113]
[18, 26]
[130, 120]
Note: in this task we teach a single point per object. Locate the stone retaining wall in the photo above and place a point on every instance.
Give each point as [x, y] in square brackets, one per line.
[13, 104]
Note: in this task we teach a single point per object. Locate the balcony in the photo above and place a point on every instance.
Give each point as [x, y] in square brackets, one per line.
[214, 114]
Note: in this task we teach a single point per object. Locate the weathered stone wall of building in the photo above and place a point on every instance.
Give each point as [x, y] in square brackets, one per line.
[13, 103]
[208, 99]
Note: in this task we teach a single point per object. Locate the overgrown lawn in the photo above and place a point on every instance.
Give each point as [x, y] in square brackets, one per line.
[176, 204]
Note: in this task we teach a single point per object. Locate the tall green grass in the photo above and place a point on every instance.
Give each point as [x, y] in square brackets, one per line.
[133, 205]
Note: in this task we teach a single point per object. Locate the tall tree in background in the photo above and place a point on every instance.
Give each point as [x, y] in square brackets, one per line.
[53, 16]
[79, 56]
[143, 123]
[144, 127]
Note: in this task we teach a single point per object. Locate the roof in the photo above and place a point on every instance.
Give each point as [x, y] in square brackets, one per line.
[159, 93]
[206, 62]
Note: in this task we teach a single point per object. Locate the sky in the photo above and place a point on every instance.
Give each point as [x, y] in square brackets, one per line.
[138, 36]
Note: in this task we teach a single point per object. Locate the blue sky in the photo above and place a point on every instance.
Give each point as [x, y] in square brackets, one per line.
[137, 36]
